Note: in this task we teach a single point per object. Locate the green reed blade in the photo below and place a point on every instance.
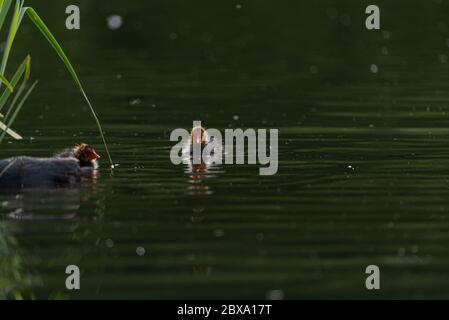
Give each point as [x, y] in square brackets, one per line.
[27, 68]
[15, 79]
[21, 88]
[16, 19]
[22, 102]
[19, 107]
[4, 8]
[9, 131]
[6, 83]
[54, 43]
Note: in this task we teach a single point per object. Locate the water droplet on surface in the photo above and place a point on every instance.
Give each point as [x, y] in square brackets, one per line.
[135, 102]
[275, 295]
[219, 233]
[313, 69]
[140, 251]
[114, 22]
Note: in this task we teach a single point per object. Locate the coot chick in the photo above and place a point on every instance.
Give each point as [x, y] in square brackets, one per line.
[199, 136]
[64, 169]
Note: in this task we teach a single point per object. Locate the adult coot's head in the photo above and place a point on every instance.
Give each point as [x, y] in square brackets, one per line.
[85, 153]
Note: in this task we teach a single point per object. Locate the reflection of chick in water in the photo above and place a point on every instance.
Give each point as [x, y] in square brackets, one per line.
[198, 173]
[200, 169]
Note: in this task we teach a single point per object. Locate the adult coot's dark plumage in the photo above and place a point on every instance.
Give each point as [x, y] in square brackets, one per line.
[66, 168]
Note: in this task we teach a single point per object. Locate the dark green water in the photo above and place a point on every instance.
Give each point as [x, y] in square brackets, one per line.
[362, 178]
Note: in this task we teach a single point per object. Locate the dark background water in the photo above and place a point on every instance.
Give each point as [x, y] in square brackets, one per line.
[362, 180]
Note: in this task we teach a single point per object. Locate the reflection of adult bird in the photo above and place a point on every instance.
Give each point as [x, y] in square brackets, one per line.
[66, 168]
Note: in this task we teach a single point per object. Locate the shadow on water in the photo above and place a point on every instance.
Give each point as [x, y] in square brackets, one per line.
[26, 209]
[199, 174]
[14, 277]
[39, 204]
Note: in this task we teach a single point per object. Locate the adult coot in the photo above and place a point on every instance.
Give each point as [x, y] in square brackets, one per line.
[66, 168]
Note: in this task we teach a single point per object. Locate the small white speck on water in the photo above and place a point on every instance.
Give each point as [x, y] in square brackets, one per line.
[275, 295]
[313, 69]
[119, 76]
[140, 251]
[114, 22]
[109, 243]
[153, 105]
[219, 233]
[442, 58]
[238, 6]
[350, 167]
[135, 102]
[384, 51]
[236, 117]
[374, 68]
[173, 36]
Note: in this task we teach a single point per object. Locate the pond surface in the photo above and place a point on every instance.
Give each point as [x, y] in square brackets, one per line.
[363, 162]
